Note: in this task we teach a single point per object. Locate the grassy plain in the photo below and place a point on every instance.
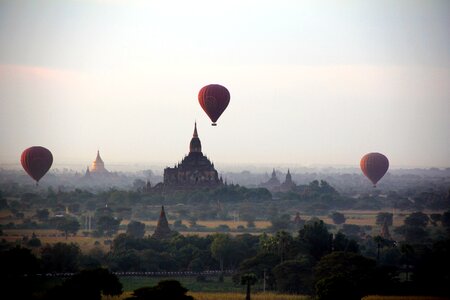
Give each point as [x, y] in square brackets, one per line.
[274, 296]
[228, 296]
[210, 285]
[376, 297]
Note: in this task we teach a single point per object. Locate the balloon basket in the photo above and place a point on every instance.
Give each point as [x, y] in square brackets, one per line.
[213, 124]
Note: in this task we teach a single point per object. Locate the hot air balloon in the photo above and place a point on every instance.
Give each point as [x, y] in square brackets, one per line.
[374, 166]
[36, 161]
[214, 99]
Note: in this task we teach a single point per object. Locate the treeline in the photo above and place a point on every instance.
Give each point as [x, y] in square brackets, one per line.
[316, 198]
[312, 261]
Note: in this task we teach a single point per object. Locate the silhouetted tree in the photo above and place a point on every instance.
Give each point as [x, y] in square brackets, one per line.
[18, 269]
[220, 248]
[417, 219]
[66, 225]
[338, 218]
[42, 214]
[248, 279]
[136, 229]
[294, 276]
[343, 275]
[88, 285]
[166, 289]
[446, 219]
[342, 243]
[315, 239]
[61, 257]
[107, 225]
[431, 272]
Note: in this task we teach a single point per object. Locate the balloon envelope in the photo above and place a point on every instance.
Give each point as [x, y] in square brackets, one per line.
[374, 166]
[36, 161]
[214, 99]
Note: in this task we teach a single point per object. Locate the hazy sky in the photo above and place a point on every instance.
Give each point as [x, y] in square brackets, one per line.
[311, 82]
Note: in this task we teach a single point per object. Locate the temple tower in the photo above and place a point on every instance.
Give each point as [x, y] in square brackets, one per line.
[98, 166]
[162, 230]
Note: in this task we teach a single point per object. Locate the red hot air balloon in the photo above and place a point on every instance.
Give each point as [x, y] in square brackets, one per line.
[36, 161]
[374, 166]
[214, 99]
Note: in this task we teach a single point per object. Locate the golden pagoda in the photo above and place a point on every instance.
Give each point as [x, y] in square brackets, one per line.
[98, 166]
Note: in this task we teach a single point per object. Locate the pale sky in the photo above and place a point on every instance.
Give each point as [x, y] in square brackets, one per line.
[311, 82]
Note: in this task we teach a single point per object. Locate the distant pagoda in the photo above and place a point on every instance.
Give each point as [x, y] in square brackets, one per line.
[288, 184]
[162, 230]
[274, 184]
[97, 167]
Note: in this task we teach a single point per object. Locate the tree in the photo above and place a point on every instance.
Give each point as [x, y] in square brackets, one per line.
[42, 214]
[417, 219]
[315, 239]
[446, 219]
[248, 279]
[338, 218]
[136, 229]
[414, 229]
[284, 241]
[3, 202]
[219, 248]
[67, 225]
[431, 272]
[34, 242]
[343, 275]
[231, 251]
[342, 243]
[107, 225]
[434, 218]
[61, 257]
[294, 276]
[261, 264]
[19, 267]
[89, 285]
[166, 289]
[282, 222]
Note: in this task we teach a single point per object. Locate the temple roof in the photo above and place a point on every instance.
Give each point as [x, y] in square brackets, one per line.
[162, 230]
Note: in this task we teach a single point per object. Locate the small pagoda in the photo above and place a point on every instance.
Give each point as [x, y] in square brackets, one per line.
[162, 230]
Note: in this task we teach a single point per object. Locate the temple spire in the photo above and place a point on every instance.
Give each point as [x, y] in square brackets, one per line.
[162, 230]
[195, 131]
[195, 146]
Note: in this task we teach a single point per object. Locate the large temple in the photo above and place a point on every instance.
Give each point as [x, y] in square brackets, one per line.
[194, 171]
[97, 167]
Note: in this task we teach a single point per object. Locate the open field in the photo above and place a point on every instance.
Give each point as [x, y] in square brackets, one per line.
[240, 296]
[52, 236]
[228, 296]
[274, 296]
[210, 285]
[403, 298]
[211, 224]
